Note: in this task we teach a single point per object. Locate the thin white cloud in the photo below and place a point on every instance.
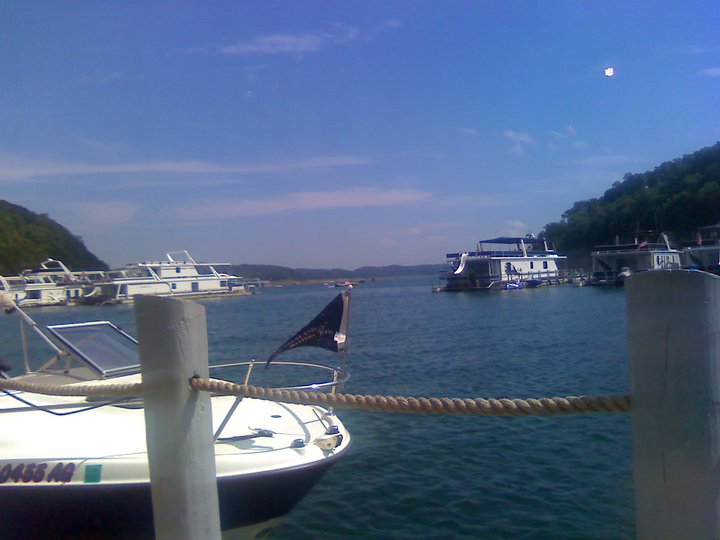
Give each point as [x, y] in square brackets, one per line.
[517, 136]
[516, 150]
[710, 72]
[602, 161]
[292, 43]
[696, 49]
[102, 213]
[520, 140]
[12, 169]
[304, 202]
[515, 224]
[469, 132]
[473, 201]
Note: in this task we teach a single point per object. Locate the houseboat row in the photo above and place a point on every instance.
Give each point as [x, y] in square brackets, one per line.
[52, 283]
[518, 262]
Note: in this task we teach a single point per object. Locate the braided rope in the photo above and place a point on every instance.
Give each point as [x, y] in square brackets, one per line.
[443, 405]
[78, 390]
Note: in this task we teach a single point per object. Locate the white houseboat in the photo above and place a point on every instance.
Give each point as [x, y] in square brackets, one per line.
[705, 254]
[52, 284]
[179, 275]
[13, 286]
[613, 263]
[504, 263]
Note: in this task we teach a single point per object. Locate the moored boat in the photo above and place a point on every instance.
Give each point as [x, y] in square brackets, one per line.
[77, 467]
[704, 254]
[504, 263]
[179, 275]
[612, 264]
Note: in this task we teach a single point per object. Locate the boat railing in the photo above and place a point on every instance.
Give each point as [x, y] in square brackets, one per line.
[337, 376]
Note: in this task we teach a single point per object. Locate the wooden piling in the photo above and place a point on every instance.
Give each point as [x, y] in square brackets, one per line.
[173, 347]
[674, 346]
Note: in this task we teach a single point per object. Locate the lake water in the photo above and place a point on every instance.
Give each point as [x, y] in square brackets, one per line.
[449, 477]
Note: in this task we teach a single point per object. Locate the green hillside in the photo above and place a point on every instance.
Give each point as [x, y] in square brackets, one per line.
[282, 273]
[27, 238]
[676, 197]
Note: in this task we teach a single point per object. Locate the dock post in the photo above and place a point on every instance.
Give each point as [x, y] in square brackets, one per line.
[173, 347]
[674, 346]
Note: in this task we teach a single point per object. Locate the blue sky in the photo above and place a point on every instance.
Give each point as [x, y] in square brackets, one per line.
[341, 134]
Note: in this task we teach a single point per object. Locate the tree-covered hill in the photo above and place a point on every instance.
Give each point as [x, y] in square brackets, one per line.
[676, 197]
[27, 238]
[282, 273]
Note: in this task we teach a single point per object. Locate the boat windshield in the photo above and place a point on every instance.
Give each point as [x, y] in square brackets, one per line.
[102, 345]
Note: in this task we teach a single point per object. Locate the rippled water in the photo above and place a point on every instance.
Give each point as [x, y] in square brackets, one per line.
[436, 477]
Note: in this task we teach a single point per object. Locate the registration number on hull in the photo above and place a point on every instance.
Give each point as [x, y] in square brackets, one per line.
[27, 473]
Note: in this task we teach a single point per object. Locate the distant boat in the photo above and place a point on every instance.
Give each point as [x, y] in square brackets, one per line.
[612, 264]
[178, 275]
[705, 253]
[502, 263]
[50, 284]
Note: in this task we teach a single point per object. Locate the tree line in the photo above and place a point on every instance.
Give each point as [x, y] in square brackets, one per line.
[677, 198]
[28, 238]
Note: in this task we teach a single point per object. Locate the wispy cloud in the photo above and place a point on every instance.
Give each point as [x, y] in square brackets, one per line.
[710, 72]
[697, 49]
[602, 161]
[303, 202]
[515, 227]
[102, 213]
[293, 43]
[518, 137]
[468, 132]
[12, 169]
[520, 140]
[473, 201]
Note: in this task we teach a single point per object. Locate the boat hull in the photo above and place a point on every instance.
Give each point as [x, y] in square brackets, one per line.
[249, 505]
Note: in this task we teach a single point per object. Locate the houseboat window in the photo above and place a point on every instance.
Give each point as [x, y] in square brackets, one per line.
[544, 265]
[174, 285]
[177, 269]
[223, 283]
[204, 270]
[532, 265]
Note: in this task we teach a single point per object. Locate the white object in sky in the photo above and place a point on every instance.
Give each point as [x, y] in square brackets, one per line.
[609, 72]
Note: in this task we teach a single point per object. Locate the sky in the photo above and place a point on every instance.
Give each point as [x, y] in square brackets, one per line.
[341, 134]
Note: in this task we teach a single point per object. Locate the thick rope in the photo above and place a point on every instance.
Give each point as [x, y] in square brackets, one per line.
[442, 405]
[78, 390]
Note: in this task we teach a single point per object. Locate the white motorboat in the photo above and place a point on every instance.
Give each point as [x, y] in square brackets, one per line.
[503, 263]
[612, 264]
[77, 468]
[178, 275]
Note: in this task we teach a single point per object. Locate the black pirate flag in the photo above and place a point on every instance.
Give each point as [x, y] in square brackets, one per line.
[327, 330]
